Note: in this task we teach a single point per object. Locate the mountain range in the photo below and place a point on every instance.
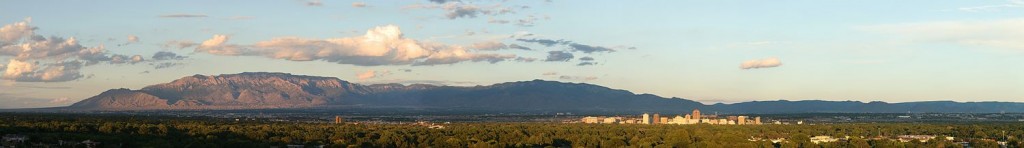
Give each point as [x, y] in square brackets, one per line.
[263, 90]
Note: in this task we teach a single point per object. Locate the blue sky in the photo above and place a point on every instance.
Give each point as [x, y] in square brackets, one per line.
[709, 51]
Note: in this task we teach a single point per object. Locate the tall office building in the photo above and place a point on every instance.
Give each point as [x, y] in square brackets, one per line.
[657, 119]
[741, 120]
[337, 119]
[757, 120]
[696, 114]
[646, 119]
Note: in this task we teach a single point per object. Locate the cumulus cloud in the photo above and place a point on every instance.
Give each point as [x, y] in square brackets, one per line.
[183, 15]
[133, 39]
[164, 55]
[38, 47]
[761, 63]
[358, 4]
[22, 71]
[13, 33]
[35, 58]
[382, 45]
[137, 58]
[216, 46]
[558, 56]
[1001, 33]
[370, 74]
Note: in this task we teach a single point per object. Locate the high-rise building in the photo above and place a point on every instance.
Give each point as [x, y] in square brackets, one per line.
[741, 120]
[646, 119]
[696, 114]
[757, 120]
[656, 119]
[664, 120]
[337, 119]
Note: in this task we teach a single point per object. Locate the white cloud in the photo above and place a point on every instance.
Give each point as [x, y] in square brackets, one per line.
[370, 74]
[358, 4]
[382, 45]
[216, 46]
[29, 71]
[12, 33]
[761, 63]
[36, 58]
[489, 45]
[1004, 33]
[133, 39]
[137, 58]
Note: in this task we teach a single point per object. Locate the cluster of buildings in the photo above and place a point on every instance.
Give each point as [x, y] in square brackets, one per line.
[693, 118]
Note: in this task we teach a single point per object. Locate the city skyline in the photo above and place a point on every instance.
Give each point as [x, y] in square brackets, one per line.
[707, 51]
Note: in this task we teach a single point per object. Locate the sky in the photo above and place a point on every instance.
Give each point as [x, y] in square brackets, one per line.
[55, 53]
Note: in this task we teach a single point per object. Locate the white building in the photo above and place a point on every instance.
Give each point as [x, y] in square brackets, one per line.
[820, 139]
[646, 119]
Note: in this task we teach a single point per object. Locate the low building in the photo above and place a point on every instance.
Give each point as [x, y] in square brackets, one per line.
[820, 139]
[611, 120]
[920, 138]
[590, 119]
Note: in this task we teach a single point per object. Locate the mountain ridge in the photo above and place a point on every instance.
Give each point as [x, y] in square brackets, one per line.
[268, 90]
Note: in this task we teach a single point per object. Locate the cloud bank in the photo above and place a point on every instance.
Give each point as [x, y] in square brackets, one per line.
[35, 58]
[382, 45]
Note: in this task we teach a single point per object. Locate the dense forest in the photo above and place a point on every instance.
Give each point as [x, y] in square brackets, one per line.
[160, 131]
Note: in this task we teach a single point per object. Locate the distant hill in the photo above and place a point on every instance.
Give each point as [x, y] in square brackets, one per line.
[260, 90]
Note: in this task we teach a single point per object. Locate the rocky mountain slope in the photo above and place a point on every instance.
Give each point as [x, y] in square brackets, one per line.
[260, 90]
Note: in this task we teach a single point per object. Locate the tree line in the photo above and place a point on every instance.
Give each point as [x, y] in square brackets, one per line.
[147, 131]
